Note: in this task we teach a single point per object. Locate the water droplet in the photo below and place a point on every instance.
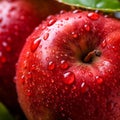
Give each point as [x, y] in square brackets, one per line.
[29, 75]
[22, 17]
[27, 54]
[84, 87]
[90, 74]
[68, 77]
[52, 81]
[33, 67]
[12, 9]
[114, 48]
[51, 65]
[62, 11]
[99, 80]
[93, 16]
[75, 35]
[9, 39]
[104, 43]
[76, 11]
[3, 26]
[64, 64]
[28, 93]
[67, 18]
[79, 16]
[74, 88]
[42, 27]
[7, 47]
[25, 64]
[1, 54]
[22, 79]
[61, 108]
[51, 22]
[16, 27]
[87, 27]
[35, 44]
[45, 37]
[14, 79]
[4, 44]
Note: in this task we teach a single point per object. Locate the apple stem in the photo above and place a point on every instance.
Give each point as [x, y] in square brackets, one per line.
[92, 54]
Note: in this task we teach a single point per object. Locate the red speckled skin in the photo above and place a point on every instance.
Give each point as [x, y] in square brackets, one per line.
[18, 18]
[79, 89]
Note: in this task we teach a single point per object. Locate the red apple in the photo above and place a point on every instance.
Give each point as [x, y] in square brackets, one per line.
[69, 68]
[18, 18]
[16, 23]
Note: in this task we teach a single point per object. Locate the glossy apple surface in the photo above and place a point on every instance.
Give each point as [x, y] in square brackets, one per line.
[16, 23]
[69, 68]
[18, 18]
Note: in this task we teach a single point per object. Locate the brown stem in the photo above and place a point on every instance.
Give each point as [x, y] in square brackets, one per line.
[91, 54]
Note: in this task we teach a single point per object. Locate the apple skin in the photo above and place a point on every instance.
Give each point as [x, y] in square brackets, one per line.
[18, 18]
[16, 23]
[69, 68]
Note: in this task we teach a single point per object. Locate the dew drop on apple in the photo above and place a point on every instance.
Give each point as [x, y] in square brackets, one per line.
[13, 8]
[51, 22]
[29, 75]
[114, 48]
[23, 79]
[14, 79]
[76, 11]
[99, 80]
[9, 39]
[33, 67]
[25, 64]
[35, 44]
[104, 44]
[46, 35]
[74, 35]
[64, 64]
[84, 87]
[52, 81]
[61, 108]
[16, 27]
[87, 27]
[62, 11]
[22, 17]
[68, 77]
[51, 65]
[28, 93]
[93, 16]
[6, 46]
[90, 74]
[67, 18]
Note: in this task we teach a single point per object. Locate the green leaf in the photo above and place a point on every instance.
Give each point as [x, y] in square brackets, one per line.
[104, 5]
[4, 114]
